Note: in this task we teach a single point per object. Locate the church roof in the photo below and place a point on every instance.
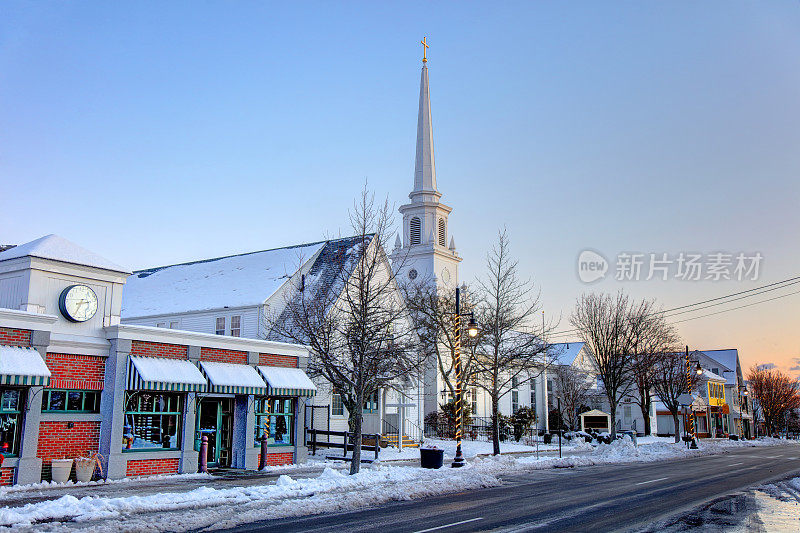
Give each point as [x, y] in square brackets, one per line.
[325, 279]
[58, 248]
[565, 353]
[231, 281]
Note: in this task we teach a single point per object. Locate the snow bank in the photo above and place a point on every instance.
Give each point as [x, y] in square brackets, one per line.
[331, 491]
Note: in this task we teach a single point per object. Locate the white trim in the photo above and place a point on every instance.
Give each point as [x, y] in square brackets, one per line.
[12, 318]
[209, 340]
[79, 345]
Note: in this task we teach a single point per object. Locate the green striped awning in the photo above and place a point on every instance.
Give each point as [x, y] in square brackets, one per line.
[229, 378]
[22, 366]
[282, 381]
[158, 373]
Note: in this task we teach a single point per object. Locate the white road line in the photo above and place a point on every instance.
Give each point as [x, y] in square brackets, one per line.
[451, 525]
[651, 481]
[792, 458]
[736, 464]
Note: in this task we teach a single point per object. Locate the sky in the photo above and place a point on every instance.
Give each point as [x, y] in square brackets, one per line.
[162, 132]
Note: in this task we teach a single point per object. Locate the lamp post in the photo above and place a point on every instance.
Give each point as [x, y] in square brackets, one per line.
[472, 331]
[689, 376]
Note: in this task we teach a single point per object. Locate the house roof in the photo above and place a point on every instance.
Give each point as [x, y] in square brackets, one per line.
[566, 352]
[57, 248]
[728, 358]
[230, 281]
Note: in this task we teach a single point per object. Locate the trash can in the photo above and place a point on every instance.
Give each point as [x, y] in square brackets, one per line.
[431, 457]
[548, 438]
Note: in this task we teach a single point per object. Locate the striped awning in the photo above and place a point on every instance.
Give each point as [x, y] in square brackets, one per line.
[282, 381]
[22, 366]
[229, 378]
[158, 373]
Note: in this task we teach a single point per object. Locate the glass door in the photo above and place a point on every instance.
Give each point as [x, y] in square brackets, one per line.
[215, 421]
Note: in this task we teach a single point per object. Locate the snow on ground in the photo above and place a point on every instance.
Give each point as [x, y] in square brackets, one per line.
[332, 491]
[474, 448]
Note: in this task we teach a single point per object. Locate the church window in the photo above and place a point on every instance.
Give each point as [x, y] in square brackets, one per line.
[415, 231]
[442, 233]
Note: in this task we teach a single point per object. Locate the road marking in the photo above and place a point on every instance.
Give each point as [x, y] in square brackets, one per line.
[792, 458]
[652, 481]
[451, 525]
[736, 464]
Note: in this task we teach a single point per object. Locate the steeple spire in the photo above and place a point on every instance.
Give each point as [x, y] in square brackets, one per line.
[424, 167]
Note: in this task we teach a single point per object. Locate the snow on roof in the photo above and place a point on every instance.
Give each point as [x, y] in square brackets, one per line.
[565, 352]
[710, 376]
[232, 281]
[728, 358]
[58, 248]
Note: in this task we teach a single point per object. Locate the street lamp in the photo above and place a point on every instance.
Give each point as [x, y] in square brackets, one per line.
[472, 331]
[698, 370]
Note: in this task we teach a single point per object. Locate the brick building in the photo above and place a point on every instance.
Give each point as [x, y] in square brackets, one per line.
[74, 381]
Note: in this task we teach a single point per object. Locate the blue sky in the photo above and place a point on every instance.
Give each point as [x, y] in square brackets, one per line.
[155, 133]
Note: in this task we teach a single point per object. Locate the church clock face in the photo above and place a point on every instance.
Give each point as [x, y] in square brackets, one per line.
[445, 275]
[78, 303]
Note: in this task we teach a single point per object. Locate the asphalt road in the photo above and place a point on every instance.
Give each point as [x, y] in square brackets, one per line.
[598, 498]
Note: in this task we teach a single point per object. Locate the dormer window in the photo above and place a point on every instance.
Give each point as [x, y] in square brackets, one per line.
[442, 233]
[415, 231]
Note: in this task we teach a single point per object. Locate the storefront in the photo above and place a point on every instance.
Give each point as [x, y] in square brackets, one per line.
[75, 382]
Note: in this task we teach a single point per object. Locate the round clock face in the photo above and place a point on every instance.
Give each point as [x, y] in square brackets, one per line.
[412, 274]
[78, 303]
[445, 275]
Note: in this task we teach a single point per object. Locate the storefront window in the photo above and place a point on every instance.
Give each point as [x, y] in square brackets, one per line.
[10, 421]
[70, 401]
[152, 421]
[275, 416]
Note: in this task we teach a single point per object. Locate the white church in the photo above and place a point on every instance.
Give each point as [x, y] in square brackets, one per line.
[232, 295]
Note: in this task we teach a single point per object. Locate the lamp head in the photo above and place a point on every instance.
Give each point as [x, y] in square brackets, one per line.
[699, 368]
[472, 327]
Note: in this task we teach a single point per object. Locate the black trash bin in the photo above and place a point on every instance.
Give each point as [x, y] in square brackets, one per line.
[548, 438]
[431, 458]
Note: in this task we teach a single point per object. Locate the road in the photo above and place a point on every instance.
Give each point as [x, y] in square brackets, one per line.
[598, 498]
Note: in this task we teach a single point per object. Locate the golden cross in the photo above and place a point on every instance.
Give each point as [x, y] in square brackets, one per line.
[425, 47]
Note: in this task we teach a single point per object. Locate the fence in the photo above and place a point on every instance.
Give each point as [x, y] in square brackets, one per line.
[369, 443]
[480, 429]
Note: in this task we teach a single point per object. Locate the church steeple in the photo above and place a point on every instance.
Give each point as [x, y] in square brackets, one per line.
[424, 166]
[423, 254]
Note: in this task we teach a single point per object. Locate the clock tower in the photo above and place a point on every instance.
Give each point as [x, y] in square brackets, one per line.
[427, 252]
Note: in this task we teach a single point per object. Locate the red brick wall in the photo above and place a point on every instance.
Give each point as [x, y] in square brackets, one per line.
[15, 337]
[152, 467]
[157, 349]
[6, 476]
[223, 356]
[57, 441]
[76, 371]
[278, 459]
[267, 359]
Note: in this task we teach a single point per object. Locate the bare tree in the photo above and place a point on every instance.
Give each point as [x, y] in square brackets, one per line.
[670, 380]
[650, 336]
[433, 310]
[574, 387]
[355, 323]
[777, 394]
[602, 323]
[510, 346]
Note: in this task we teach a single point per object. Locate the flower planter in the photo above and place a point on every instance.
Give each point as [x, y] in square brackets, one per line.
[431, 458]
[61, 470]
[84, 469]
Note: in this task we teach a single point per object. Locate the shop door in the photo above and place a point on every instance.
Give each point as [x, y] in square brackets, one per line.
[215, 420]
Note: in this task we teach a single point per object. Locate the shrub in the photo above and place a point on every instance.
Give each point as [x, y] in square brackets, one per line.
[522, 421]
